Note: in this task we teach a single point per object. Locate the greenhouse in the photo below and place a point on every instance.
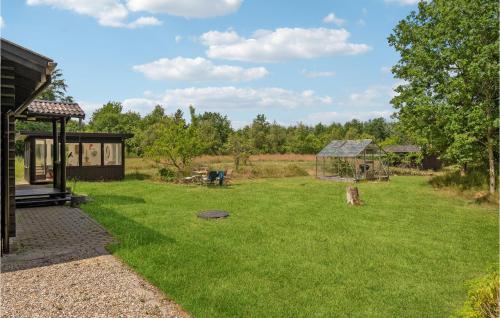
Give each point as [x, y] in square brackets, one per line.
[351, 160]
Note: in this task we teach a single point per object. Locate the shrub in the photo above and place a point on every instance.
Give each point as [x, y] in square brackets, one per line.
[166, 174]
[273, 171]
[295, 171]
[483, 298]
[472, 179]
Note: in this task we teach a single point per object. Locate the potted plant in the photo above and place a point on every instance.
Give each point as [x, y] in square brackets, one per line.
[76, 199]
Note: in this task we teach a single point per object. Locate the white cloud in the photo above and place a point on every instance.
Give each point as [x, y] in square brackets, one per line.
[144, 21]
[367, 96]
[361, 22]
[198, 69]
[140, 105]
[178, 38]
[280, 44]
[107, 12]
[372, 102]
[403, 2]
[375, 98]
[385, 69]
[229, 97]
[211, 38]
[316, 74]
[332, 18]
[114, 13]
[187, 8]
[2, 22]
[344, 116]
[89, 107]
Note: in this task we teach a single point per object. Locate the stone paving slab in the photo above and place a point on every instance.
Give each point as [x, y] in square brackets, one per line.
[59, 267]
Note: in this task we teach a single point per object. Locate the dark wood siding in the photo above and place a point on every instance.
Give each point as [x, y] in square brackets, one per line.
[98, 173]
[7, 152]
[12, 176]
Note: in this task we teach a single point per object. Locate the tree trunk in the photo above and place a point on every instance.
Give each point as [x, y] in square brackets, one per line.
[491, 162]
[352, 195]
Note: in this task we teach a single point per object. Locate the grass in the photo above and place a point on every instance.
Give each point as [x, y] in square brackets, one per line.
[293, 248]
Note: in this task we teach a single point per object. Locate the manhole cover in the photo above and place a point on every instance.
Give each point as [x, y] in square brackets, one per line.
[213, 214]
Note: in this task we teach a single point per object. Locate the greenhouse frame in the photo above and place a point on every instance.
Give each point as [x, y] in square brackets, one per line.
[352, 160]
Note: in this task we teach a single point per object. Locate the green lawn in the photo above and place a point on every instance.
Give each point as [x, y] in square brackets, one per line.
[293, 248]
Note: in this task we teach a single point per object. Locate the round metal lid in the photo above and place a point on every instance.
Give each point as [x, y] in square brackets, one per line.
[213, 214]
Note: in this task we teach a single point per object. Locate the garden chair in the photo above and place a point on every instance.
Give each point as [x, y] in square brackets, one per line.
[211, 177]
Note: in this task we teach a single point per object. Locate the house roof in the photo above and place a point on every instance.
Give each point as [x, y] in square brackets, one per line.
[346, 148]
[55, 109]
[25, 74]
[402, 148]
[82, 135]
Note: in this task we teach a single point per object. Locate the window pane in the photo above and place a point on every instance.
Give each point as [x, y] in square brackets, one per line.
[43, 159]
[91, 154]
[112, 154]
[72, 154]
[27, 155]
[49, 150]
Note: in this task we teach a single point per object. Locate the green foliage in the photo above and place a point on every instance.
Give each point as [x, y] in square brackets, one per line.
[240, 149]
[57, 89]
[111, 118]
[174, 140]
[474, 179]
[214, 130]
[483, 298]
[449, 64]
[166, 174]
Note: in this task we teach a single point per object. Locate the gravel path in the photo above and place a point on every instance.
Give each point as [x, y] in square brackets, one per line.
[48, 276]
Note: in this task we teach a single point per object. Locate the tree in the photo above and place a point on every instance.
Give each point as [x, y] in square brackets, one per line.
[57, 89]
[110, 118]
[214, 130]
[173, 139]
[449, 64]
[378, 128]
[240, 148]
[259, 132]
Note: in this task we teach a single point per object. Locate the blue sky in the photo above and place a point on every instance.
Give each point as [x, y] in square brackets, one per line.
[310, 61]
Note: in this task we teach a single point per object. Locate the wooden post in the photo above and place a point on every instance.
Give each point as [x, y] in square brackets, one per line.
[55, 157]
[352, 196]
[63, 155]
[316, 166]
[323, 166]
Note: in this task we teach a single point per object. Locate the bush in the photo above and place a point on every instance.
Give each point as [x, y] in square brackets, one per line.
[483, 298]
[166, 174]
[473, 179]
[273, 171]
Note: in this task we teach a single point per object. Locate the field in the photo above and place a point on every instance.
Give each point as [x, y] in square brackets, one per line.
[258, 166]
[292, 247]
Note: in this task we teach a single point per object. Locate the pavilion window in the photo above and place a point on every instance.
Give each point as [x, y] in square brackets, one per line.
[72, 154]
[113, 154]
[91, 154]
[27, 155]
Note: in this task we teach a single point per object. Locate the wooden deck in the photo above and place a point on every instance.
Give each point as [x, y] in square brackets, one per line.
[37, 195]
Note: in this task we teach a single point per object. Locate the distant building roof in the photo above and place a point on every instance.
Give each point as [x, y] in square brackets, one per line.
[402, 148]
[84, 135]
[55, 109]
[346, 148]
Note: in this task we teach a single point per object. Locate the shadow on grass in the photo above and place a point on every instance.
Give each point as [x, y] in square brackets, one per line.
[128, 233]
[137, 176]
[117, 199]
